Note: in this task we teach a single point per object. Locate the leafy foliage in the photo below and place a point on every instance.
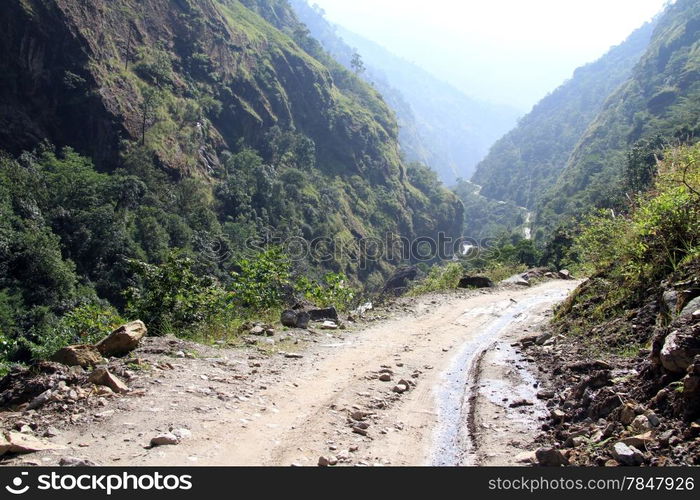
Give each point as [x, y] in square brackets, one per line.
[171, 297]
[628, 253]
[658, 106]
[261, 282]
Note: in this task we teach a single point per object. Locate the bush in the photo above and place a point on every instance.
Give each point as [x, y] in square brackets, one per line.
[171, 298]
[86, 324]
[334, 291]
[262, 282]
[439, 278]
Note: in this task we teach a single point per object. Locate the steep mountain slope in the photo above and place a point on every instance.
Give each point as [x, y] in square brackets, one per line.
[659, 103]
[528, 160]
[131, 129]
[439, 125]
[191, 81]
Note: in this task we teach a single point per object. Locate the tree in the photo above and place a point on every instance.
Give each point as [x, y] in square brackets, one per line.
[150, 100]
[356, 63]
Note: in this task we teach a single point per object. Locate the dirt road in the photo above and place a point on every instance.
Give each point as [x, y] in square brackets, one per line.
[243, 407]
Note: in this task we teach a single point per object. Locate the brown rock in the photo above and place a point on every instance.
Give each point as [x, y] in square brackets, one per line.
[640, 440]
[16, 442]
[102, 376]
[627, 414]
[123, 340]
[78, 355]
[551, 457]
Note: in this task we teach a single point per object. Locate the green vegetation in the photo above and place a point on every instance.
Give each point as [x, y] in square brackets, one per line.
[657, 106]
[658, 238]
[439, 125]
[204, 138]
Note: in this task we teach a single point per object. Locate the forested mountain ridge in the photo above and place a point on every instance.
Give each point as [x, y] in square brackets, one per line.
[439, 125]
[134, 129]
[523, 164]
[659, 104]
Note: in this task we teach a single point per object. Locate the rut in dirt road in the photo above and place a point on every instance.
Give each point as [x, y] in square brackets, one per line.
[394, 391]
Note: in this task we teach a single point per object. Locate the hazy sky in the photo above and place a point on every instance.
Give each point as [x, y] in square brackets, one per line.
[509, 51]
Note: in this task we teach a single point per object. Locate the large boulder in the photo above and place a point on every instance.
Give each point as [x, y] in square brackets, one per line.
[295, 319]
[78, 355]
[475, 282]
[691, 307]
[399, 281]
[328, 313]
[123, 340]
[680, 348]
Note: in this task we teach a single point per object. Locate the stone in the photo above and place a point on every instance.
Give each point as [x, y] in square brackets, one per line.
[519, 403]
[691, 308]
[123, 340]
[102, 376]
[670, 298]
[639, 441]
[165, 439]
[40, 400]
[545, 394]
[182, 434]
[328, 313]
[517, 279]
[627, 455]
[289, 318]
[653, 419]
[257, 330]
[678, 351]
[541, 339]
[359, 415]
[565, 274]
[359, 430]
[51, 432]
[17, 442]
[76, 462]
[627, 414]
[329, 325]
[558, 415]
[385, 377]
[400, 388]
[475, 282]
[327, 461]
[551, 457]
[78, 355]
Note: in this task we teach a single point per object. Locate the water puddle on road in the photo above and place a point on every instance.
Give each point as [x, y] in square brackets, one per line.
[452, 443]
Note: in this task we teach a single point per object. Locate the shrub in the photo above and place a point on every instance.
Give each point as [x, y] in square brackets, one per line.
[262, 281]
[171, 298]
[439, 278]
[334, 291]
[86, 324]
